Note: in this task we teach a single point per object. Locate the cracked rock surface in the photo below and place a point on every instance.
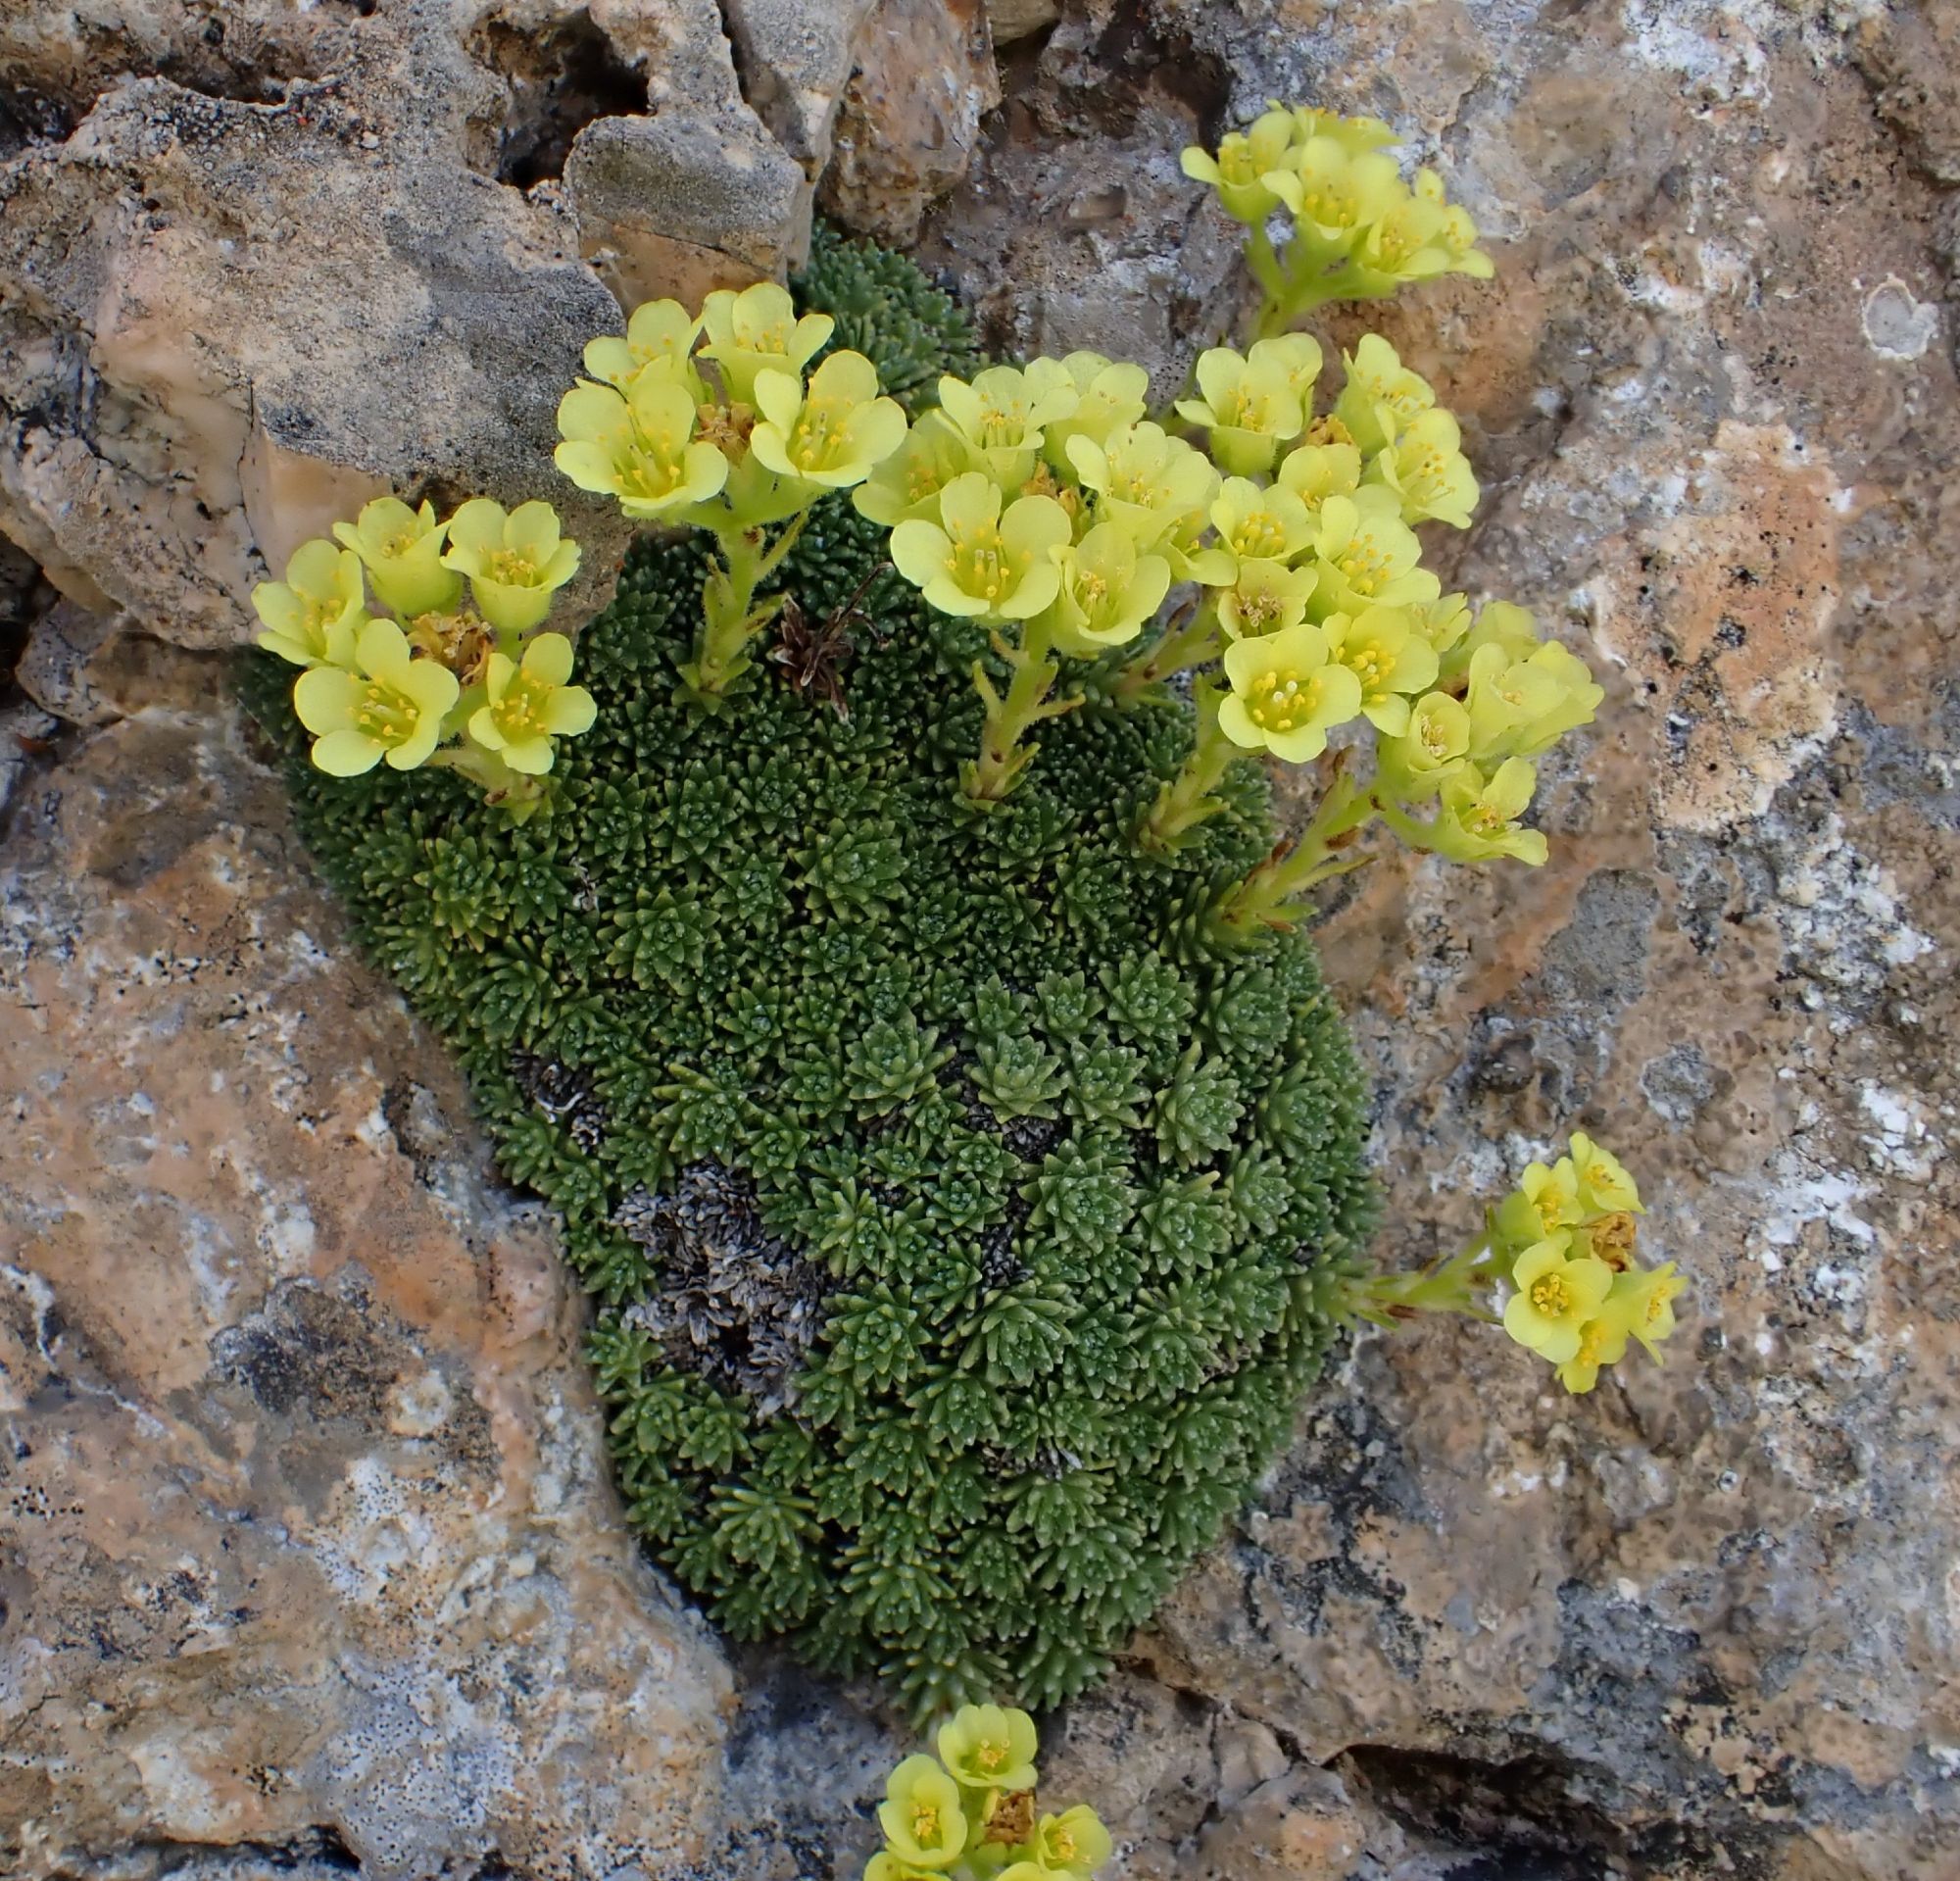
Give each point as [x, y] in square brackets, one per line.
[311, 1566]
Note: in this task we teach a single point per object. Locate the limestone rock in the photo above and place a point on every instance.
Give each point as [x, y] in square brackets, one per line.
[1670, 1628]
[1013, 20]
[1694, 1625]
[910, 124]
[795, 57]
[684, 202]
[312, 1533]
[238, 300]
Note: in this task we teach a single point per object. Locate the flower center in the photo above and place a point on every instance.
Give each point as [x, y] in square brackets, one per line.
[981, 565]
[1283, 701]
[1257, 610]
[521, 706]
[1368, 665]
[1550, 1296]
[1236, 163]
[816, 432]
[990, 1757]
[511, 566]
[925, 1824]
[386, 717]
[1002, 424]
[650, 477]
[1364, 564]
[1259, 534]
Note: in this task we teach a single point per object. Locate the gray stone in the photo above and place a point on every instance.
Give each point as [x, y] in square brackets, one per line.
[923, 78]
[1692, 1624]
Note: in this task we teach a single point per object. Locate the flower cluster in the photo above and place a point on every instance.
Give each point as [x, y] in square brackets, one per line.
[1041, 504]
[419, 643]
[1562, 1244]
[971, 1812]
[1566, 1237]
[717, 422]
[1360, 231]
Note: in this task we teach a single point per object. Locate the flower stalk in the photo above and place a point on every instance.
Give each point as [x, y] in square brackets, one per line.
[1450, 1283]
[1189, 642]
[1271, 895]
[1004, 752]
[731, 618]
[1188, 799]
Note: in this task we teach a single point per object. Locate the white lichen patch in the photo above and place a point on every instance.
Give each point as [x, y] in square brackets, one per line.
[1897, 326]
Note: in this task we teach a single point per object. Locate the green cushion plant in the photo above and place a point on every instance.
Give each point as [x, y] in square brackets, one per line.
[888, 965]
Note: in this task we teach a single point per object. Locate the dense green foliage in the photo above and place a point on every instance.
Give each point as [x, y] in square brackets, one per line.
[962, 1227]
[888, 311]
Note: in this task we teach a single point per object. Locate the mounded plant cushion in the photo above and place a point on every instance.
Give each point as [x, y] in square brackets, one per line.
[960, 1225]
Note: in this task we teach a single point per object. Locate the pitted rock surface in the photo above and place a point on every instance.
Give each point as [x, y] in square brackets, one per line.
[308, 1452]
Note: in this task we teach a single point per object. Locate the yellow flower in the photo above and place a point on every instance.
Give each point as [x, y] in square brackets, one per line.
[531, 704]
[1246, 167]
[401, 551]
[639, 448]
[1423, 462]
[1477, 821]
[1380, 392]
[1286, 694]
[834, 431]
[907, 483]
[1249, 410]
[1603, 1185]
[758, 331]
[659, 339]
[1265, 596]
[1499, 624]
[1435, 741]
[1003, 414]
[1073, 1843]
[1443, 621]
[1602, 1341]
[1335, 193]
[389, 705]
[1556, 1296]
[1523, 707]
[1458, 236]
[1382, 649]
[313, 616]
[988, 1746]
[980, 562]
[886, 1866]
[1259, 523]
[1315, 472]
[920, 1814]
[1296, 357]
[516, 562]
[1367, 555]
[1358, 134]
[1107, 395]
[1108, 591]
[1645, 1297]
[1545, 1200]
[1144, 479]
